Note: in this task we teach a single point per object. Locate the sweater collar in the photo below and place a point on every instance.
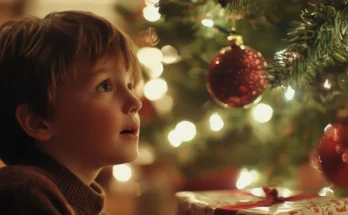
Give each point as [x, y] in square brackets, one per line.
[86, 199]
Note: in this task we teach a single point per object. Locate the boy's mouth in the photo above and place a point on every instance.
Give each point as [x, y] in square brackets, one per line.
[133, 130]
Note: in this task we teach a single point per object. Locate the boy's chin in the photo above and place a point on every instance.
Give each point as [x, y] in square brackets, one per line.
[124, 159]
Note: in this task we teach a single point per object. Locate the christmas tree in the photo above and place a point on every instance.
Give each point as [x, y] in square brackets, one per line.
[245, 84]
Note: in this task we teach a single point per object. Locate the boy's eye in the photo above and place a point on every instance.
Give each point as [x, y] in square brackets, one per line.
[105, 86]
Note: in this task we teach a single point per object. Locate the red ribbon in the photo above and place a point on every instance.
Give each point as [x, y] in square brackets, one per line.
[271, 198]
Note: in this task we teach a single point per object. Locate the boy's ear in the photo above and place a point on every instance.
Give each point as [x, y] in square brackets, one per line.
[34, 125]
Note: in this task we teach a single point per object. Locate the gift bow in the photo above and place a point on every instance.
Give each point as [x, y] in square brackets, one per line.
[270, 199]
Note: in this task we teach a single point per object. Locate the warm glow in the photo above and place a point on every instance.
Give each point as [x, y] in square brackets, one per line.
[155, 89]
[186, 130]
[207, 22]
[149, 56]
[170, 54]
[327, 84]
[257, 192]
[262, 113]
[150, 13]
[146, 155]
[122, 172]
[216, 123]
[174, 138]
[247, 177]
[164, 105]
[285, 192]
[155, 71]
[151, 1]
[326, 191]
[289, 94]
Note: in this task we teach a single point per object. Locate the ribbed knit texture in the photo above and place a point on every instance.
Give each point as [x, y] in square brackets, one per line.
[51, 184]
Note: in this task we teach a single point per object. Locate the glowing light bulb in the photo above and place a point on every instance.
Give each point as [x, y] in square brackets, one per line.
[262, 113]
[174, 138]
[327, 84]
[151, 1]
[155, 71]
[216, 122]
[170, 54]
[150, 13]
[122, 172]
[207, 23]
[155, 89]
[146, 155]
[164, 105]
[289, 94]
[186, 130]
[149, 56]
[245, 179]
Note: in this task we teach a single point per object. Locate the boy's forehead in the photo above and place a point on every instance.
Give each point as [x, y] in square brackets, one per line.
[108, 62]
[87, 66]
[86, 70]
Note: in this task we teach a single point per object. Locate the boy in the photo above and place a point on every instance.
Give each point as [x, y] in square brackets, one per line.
[68, 109]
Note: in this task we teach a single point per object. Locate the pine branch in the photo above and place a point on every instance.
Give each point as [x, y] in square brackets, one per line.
[236, 4]
[318, 41]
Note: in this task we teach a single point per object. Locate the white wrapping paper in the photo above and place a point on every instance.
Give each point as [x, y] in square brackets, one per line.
[206, 202]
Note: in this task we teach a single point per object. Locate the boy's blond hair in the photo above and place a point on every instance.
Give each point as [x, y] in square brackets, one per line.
[36, 55]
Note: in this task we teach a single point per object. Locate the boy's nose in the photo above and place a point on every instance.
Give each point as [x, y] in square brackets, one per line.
[135, 104]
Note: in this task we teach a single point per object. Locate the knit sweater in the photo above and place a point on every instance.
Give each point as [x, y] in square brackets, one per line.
[40, 185]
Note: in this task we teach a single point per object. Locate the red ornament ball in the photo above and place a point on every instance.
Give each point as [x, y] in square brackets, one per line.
[236, 76]
[333, 154]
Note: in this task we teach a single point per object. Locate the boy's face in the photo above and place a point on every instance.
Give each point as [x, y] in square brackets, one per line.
[96, 118]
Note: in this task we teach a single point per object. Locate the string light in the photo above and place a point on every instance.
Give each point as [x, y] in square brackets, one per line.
[210, 23]
[155, 89]
[174, 138]
[327, 84]
[146, 155]
[186, 130]
[122, 172]
[149, 56]
[151, 14]
[155, 71]
[151, 1]
[170, 54]
[262, 113]
[207, 23]
[164, 105]
[246, 178]
[216, 122]
[290, 93]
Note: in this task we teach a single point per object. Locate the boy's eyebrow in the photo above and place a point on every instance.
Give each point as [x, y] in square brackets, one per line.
[94, 71]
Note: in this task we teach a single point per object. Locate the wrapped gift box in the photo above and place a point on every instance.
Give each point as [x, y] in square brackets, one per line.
[259, 201]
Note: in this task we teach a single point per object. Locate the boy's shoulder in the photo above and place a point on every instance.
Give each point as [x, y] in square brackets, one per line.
[16, 176]
[30, 190]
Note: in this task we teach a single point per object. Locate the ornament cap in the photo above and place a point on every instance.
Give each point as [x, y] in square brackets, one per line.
[234, 40]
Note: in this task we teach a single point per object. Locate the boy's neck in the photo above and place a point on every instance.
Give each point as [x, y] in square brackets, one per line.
[85, 174]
